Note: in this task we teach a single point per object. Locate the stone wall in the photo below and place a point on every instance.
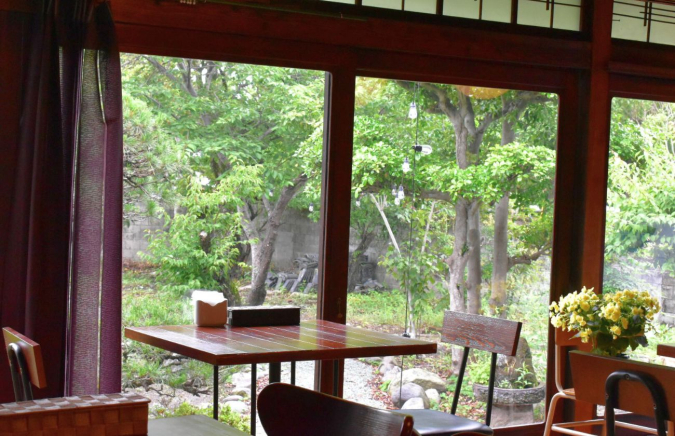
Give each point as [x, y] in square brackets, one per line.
[134, 239]
[668, 299]
[298, 235]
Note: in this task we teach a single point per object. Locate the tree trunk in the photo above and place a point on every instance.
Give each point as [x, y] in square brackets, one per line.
[500, 260]
[500, 254]
[353, 274]
[474, 275]
[262, 254]
[456, 265]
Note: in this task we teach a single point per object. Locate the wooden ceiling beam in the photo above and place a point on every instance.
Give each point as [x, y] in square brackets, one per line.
[356, 33]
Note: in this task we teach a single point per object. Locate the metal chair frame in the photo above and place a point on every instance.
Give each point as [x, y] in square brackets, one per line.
[19, 371]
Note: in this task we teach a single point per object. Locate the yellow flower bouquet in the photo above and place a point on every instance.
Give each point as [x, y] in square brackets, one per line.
[611, 322]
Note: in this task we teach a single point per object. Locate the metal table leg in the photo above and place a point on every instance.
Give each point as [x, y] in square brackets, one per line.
[293, 373]
[336, 377]
[254, 380]
[215, 392]
[275, 372]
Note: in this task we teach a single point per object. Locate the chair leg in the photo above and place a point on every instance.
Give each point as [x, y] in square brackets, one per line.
[551, 413]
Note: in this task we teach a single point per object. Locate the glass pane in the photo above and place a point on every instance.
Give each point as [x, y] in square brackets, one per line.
[567, 15]
[640, 236]
[385, 4]
[534, 13]
[461, 8]
[663, 24]
[629, 20]
[497, 10]
[462, 222]
[426, 6]
[222, 192]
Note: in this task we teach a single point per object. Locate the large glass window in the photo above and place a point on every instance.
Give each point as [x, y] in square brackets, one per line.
[640, 229]
[452, 209]
[222, 195]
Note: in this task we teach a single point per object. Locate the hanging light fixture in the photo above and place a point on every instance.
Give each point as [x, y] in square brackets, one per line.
[393, 191]
[412, 112]
[311, 207]
[424, 149]
[397, 201]
[271, 193]
[358, 202]
[406, 165]
[401, 192]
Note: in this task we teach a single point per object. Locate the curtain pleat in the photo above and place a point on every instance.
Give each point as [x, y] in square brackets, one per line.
[61, 206]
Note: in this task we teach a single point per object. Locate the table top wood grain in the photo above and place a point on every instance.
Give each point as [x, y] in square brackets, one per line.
[191, 425]
[311, 340]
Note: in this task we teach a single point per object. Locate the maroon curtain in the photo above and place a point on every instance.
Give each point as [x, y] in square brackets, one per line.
[60, 202]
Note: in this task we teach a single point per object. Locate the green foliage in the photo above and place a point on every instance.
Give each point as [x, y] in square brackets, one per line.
[199, 248]
[641, 194]
[225, 414]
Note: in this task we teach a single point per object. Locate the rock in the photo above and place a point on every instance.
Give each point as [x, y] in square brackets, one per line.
[234, 398]
[242, 392]
[393, 374]
[505, 416]
[409, 390]
[372, 360]
[517, 370]
[391, 360]
[414, 403]
[433, 395]
[237, 407]
[241, 379]
[422, 377]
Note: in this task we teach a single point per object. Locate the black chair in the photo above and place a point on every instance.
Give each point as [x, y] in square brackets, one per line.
[25, 363]
[289, 410]
[497, 336]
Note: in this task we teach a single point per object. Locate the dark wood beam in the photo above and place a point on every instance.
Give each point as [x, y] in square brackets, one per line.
[370, 33]
[335, 208]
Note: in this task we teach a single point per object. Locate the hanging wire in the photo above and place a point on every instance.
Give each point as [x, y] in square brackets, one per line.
[410, 232]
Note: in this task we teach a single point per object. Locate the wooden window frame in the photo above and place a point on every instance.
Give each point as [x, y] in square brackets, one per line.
[585, 73]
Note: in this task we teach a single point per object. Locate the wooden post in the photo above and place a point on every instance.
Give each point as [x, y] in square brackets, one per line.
[335, 208]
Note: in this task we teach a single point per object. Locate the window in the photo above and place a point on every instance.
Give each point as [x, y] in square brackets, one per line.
[640, 228]
[462, 222]
[223, 195]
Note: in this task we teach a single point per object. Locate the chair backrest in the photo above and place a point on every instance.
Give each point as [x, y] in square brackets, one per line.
[25, 361]
[590, 372]
[290, 410]
[495, 335]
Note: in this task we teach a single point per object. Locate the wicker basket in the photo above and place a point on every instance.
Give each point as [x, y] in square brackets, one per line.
[90, 415]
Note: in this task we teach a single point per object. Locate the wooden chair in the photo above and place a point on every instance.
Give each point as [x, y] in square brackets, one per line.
[497, 336]
[290, 410]
[564, 339]
[25, 363]
[590, 374]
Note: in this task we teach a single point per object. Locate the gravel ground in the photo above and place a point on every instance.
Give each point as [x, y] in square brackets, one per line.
[357, 376]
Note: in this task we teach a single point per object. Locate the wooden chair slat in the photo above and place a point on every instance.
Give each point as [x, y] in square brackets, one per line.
[590, 371]
[481, 332]
[33, 354]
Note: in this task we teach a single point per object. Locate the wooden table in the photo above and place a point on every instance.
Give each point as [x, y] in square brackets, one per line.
[311, 340]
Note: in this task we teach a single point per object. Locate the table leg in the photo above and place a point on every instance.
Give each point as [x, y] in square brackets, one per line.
[293, 373]
[215, 392]
[275, 372]
[336, 377]
[254, 381]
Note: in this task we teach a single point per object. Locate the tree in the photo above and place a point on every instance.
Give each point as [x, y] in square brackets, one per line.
[225, 114]
[641, 189]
